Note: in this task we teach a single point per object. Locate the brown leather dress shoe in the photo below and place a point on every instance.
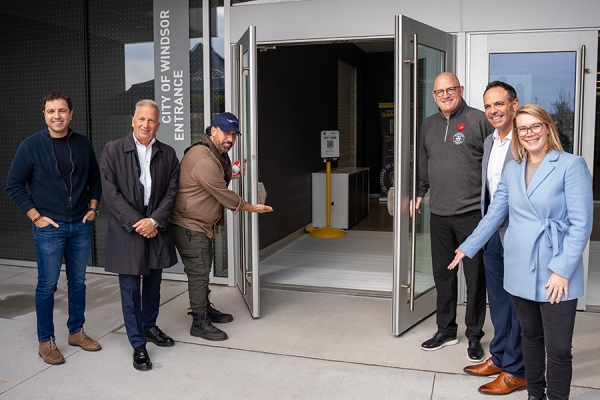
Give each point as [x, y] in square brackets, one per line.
[505, 383]
[50, 353]
[84, 341]
[486, 368]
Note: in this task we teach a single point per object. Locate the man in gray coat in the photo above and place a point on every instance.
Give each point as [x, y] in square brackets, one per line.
[449, 167]
[139, 177]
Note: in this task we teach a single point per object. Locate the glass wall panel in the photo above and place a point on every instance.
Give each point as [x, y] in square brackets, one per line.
[42, 49]
[121, 55]
[217, 105]
[593, 287]
[217, 58]
[547, 79]
[196, 70]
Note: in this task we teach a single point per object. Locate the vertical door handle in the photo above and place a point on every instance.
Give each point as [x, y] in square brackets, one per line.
[581, 98]
[415, 164]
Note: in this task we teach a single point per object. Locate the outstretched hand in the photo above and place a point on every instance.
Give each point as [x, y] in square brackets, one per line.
[262, 208]
[459, 256]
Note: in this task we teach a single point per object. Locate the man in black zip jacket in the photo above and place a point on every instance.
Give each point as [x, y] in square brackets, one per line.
[54, 179]
[449, 166]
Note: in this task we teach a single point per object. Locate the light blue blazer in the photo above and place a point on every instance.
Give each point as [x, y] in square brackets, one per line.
[550, 222]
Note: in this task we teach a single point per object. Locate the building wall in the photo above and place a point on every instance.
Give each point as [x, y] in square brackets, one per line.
[44, 48]
[314, 19]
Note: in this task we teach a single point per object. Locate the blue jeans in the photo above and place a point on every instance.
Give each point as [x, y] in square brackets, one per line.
[71, 241]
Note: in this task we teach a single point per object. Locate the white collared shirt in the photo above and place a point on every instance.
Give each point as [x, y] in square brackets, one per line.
[144, 156]
[496, 162]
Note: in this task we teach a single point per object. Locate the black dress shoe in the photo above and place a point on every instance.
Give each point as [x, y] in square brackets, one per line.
[217, 316]
[438, 341]
[536, 398]
[141, 359]
[475, 352]
[158, 337]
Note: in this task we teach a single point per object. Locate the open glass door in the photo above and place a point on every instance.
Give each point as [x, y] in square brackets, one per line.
[421, 53]
[246, 223]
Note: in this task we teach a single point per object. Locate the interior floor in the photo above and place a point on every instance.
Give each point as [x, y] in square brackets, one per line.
[359, 263]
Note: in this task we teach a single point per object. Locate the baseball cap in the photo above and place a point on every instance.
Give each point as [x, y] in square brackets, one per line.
[226, 122]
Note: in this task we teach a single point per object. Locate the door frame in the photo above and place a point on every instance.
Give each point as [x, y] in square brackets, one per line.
[480, 44]
[245, 231]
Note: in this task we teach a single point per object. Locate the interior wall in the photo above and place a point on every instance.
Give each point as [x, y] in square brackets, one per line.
[379, 88]
[297, 97]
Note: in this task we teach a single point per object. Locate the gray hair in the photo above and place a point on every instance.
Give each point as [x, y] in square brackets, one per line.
[147, 102]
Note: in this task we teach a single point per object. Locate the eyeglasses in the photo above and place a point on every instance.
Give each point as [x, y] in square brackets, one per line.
[449, 91]
[535, 128]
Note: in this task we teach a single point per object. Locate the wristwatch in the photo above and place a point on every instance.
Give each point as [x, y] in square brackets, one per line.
[154, 223]
[94, 209]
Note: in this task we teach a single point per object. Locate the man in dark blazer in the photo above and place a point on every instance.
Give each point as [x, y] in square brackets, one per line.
[139, 176]
[500, 103]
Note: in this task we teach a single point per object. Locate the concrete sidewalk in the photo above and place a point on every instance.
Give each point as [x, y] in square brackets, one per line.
[305, 346]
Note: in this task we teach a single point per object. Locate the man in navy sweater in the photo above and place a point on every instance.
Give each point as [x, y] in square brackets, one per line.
[54, 179]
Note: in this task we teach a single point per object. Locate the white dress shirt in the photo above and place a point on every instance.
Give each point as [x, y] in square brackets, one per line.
[144, 156]
[496, 163]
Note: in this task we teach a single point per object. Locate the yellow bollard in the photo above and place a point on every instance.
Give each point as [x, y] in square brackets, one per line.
[327, 232]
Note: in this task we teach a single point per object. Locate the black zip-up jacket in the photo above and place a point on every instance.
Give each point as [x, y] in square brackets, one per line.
[34, 180]
[449, 160]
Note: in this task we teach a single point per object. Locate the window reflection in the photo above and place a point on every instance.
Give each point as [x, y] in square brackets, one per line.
[547, 79]
[139, 63]
[217, 60]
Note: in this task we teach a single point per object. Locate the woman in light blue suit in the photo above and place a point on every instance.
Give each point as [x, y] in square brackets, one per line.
[547, 194]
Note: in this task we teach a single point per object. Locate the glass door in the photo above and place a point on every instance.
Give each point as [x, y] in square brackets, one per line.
[421, 53]
[246, 223]
[556, 70]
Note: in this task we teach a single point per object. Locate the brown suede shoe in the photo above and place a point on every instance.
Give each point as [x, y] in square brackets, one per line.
[84, 341]
[49, 353]
[486, 368]
[505, 383]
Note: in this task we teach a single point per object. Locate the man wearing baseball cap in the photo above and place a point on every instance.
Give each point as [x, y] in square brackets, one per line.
[199, 213]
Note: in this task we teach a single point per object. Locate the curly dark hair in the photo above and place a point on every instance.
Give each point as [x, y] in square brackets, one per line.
[57, 95]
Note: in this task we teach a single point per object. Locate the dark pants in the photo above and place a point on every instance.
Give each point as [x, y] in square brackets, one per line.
[447, 233]
[195, 249]
[547, 329]
[140, 299]
[505, 347]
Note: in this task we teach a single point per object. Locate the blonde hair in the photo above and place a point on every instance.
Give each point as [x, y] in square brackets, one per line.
[519, 152]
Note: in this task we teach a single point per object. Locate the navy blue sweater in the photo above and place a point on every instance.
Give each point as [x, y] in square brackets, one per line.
[35, 182]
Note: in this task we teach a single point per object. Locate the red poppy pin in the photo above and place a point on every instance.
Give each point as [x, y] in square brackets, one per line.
[461, 127]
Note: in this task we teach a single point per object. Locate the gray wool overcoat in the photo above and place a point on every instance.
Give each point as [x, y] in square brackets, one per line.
[128, 252]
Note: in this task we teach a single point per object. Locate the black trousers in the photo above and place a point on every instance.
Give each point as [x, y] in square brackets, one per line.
[547, 331]
[447, 233]
[140, 300]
